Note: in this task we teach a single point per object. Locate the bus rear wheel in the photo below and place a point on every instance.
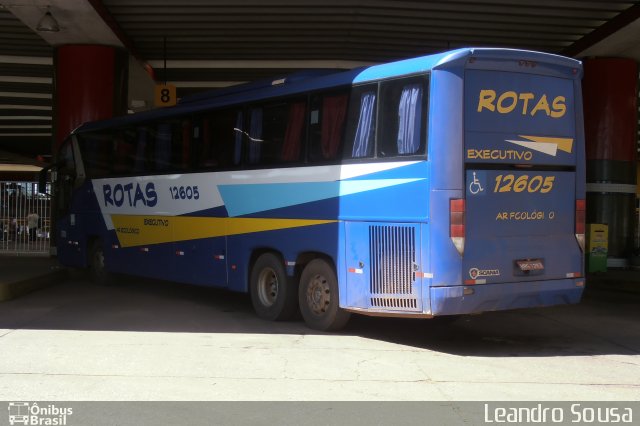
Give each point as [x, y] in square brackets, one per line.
[272, 296]
[318, 297]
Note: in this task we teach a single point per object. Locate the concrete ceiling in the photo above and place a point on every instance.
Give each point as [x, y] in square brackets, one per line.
[216, 43]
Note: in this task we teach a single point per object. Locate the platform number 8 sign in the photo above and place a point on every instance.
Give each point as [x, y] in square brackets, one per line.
[165, 95]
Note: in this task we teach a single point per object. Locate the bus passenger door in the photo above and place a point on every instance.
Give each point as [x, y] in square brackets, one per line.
[382, 264]
[68, 233]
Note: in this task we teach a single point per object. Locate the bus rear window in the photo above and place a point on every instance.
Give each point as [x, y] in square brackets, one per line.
[403, 109]
[388, 119]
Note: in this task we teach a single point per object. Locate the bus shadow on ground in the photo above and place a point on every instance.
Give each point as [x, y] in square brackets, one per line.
[604, 323]
[597, 326]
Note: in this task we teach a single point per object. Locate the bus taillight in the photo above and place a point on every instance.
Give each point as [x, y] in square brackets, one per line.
[456, 223]
[580, 219]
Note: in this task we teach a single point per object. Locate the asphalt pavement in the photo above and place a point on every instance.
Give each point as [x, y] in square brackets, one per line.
[145, 340]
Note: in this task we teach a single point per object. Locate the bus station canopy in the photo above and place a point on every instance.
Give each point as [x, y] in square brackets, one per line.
[219, 43]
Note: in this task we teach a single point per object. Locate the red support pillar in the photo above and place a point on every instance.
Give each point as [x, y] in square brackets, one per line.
[90, 83]
[610, 91]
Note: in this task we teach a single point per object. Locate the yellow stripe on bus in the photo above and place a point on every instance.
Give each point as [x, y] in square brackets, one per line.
[133, 230]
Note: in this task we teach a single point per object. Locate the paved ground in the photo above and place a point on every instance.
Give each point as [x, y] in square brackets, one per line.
[25, 273]
[149, 340]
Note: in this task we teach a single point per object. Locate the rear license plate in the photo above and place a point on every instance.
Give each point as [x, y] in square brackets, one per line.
[530, 265]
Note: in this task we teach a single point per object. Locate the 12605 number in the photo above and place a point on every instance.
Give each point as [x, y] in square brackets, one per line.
[184, 192]
[509, 183]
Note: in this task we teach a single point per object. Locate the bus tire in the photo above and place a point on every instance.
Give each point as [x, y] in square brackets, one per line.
[272, 295]
[318, 297]
[97, 271]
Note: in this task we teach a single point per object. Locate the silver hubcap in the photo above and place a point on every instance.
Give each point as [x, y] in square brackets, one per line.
[318, 294]
[99, 261]
[267, 287]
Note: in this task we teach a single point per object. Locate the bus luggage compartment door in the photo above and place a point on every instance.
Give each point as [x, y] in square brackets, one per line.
[520, 226]
[382, 263]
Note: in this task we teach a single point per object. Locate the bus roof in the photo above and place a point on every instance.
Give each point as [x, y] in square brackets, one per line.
[250, 92]
[441, 60]
[315, 80]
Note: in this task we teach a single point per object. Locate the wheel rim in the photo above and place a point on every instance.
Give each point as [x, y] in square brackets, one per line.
[268, 287]
[99, 261]
[318, 294]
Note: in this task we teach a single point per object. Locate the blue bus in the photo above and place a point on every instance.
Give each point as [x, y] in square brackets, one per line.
[440, 185]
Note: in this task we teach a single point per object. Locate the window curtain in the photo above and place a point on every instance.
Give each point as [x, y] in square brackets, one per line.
[334, 112]
[363, 143]
[163, 146]
[237, 152]
[409, 119]
[255, 135]
[293, 134]
[141, 150]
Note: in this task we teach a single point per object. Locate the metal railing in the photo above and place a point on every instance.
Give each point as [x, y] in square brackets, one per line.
[24, 218]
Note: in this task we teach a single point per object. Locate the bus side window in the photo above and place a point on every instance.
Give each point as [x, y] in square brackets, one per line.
[402, 117]
[97, 153]
[197, 136]
[183, 153]
[276, 132]
[141, 160]
[163, 146]
[65, 156]
[238, 137]
[173, 145]
[326, 126]
[255, 135]
[293, 142]
[124, 152]
[221, 144]
[361, 128]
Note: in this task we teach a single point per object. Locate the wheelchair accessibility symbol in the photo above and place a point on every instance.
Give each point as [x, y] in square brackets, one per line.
[475, 187]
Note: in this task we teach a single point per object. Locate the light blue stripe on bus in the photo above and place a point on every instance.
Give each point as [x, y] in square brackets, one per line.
[253, 198]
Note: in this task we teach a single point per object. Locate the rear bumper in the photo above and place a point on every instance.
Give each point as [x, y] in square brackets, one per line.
[496, 297]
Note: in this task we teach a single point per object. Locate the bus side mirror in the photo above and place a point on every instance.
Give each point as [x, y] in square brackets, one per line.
[42, 179]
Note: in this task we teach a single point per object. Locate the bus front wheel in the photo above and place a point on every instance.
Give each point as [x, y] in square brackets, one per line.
[318, 297]
[272, 296]
[97, 271]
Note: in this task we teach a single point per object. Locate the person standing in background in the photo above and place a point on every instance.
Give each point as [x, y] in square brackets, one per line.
[32, 224]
